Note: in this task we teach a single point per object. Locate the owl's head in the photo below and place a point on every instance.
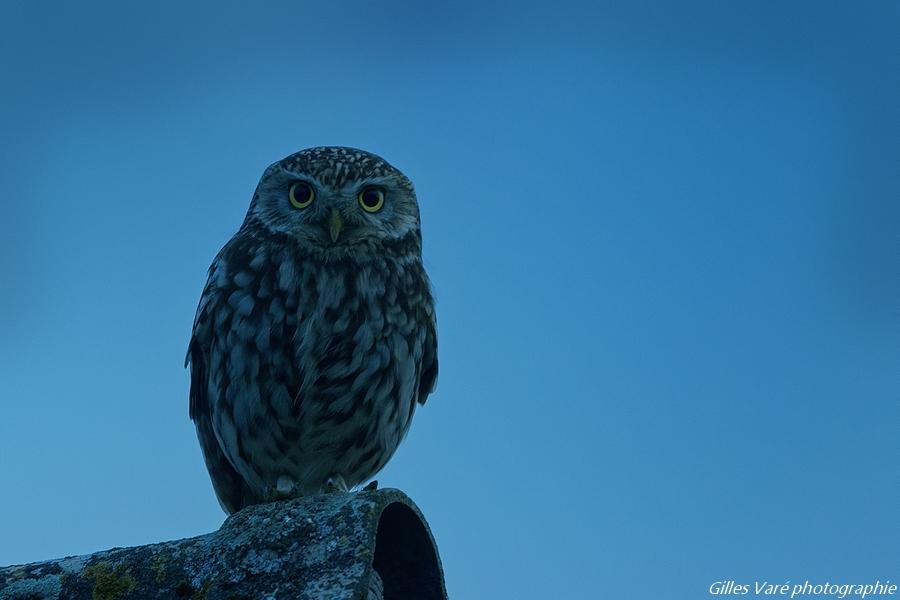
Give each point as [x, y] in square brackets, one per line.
[334, 199]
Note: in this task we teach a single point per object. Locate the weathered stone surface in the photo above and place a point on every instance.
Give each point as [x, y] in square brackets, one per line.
[333, 546]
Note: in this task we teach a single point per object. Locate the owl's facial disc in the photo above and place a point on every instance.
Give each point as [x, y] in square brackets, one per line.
[336, 201]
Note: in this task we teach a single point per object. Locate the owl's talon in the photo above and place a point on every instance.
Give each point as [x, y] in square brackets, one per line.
[371, 486]
[335, 483]
[284, 487]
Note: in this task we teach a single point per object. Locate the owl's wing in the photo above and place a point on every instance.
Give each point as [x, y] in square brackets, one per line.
[428, 378]
[230, 487]
[198, 347]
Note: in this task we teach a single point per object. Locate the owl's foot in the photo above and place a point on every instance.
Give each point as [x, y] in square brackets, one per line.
[335, 483]
[371, 486]
[285, 487]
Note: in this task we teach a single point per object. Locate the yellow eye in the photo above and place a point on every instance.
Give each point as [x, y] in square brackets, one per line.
[301, 194]
[371, 199]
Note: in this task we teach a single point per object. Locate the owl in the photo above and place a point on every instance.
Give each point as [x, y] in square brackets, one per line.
[314, 339]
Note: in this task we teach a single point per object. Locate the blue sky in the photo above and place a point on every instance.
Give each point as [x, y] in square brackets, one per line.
[664, 242]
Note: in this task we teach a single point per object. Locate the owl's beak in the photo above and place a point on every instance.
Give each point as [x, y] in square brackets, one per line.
[335, 224]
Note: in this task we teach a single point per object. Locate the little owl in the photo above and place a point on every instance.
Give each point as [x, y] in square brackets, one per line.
[315, 335]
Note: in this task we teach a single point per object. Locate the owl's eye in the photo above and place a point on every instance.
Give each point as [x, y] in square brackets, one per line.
[371, 199]
[301, 194]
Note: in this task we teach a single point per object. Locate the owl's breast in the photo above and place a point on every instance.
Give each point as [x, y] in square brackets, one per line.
[357, 349]
[313, 360]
